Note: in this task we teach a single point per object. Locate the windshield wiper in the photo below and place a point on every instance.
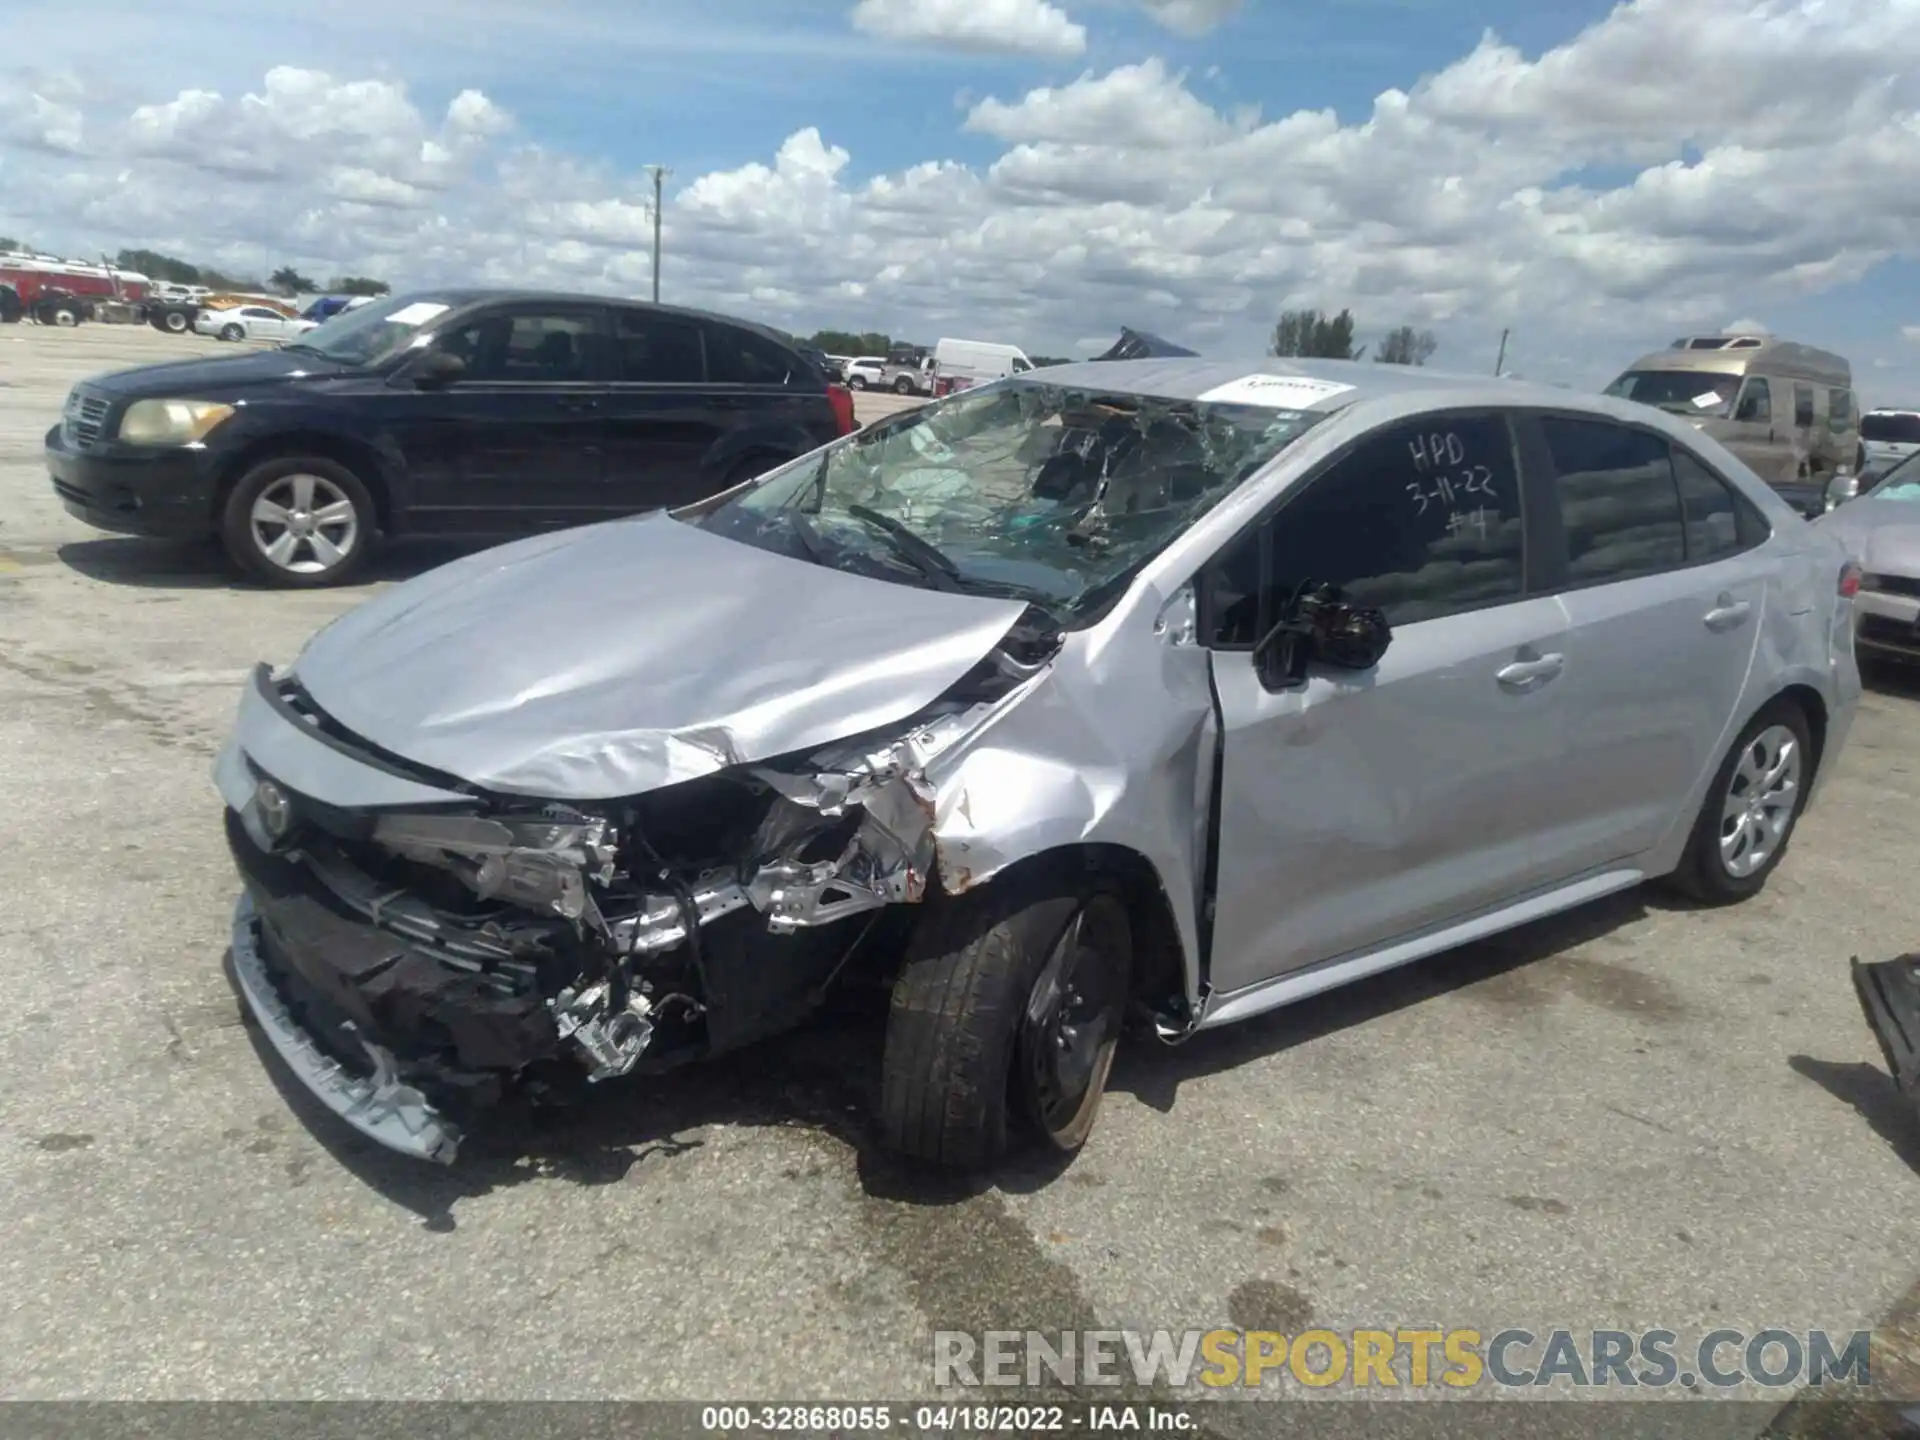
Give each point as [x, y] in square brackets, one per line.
[923, 557]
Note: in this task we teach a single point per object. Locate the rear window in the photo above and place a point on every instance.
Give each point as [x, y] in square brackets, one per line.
[739, 357]
[1903, 429]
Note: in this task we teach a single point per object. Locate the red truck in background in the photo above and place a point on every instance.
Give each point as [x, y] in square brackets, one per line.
[65, 292]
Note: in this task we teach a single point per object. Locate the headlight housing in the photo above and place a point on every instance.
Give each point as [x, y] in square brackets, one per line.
[170, 422]
[538, 863]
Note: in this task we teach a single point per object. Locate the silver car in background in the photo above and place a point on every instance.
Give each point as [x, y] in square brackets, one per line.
[1882, 531]
[1169, 686]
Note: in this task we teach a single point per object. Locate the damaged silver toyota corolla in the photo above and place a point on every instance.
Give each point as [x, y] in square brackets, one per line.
[1069, 695]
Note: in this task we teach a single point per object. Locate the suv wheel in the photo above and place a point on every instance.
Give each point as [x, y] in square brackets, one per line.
[1749, 813]
[298, 522]
[1005, 1018]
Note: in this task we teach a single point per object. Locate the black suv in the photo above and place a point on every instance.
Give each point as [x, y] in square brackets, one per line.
[448, 413]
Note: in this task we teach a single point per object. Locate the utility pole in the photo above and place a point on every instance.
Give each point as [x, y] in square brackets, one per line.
[1500, 361]
[659, 173]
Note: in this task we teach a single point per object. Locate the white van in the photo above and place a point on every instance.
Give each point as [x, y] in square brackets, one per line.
[975, 362]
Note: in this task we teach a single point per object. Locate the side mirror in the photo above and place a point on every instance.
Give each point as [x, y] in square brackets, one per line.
[1316, 625]
[436, 368]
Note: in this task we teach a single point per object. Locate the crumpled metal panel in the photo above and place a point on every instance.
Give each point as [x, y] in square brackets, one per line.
[1113, 745]
[618, 658]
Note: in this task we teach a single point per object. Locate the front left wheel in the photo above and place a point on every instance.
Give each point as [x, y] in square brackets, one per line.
[298, 522]
[1004, 1021]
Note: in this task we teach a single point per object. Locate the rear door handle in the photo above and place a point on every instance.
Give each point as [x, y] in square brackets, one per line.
[1523, 675]
[1728, 613]
[578, 405]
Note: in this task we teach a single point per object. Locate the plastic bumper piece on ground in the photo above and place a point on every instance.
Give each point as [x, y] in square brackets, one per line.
[380, 1106]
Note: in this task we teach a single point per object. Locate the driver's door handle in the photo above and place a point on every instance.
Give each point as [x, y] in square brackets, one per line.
[1728, 613]
[1530, 674]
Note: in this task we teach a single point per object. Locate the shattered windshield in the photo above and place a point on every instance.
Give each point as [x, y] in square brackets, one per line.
[1036, 491]
[1684, 392]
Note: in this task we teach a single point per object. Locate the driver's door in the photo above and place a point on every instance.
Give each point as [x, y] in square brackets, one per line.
[1359, 807]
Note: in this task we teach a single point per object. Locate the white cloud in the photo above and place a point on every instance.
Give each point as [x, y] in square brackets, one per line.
[1190, 17]
[1911, 332]
[1023, 27]
[1746, 327]
[1599, 198]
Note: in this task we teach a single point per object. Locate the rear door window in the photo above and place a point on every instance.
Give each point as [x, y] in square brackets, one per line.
[1619, 507]
[1719, 521]
[739, 357]
[657, 349]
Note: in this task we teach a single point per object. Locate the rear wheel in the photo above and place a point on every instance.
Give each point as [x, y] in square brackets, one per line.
[65, 316]
[1005, 1019]
[1750, 809]
[856, 382]
[904, 385]
[174, 322]
[232, 332]
[298, 522]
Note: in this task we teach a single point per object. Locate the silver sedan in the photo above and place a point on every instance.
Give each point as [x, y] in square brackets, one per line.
[1176, 687]
[1882, 530]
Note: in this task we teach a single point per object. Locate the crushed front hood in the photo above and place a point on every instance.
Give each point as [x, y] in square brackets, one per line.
[618, 658]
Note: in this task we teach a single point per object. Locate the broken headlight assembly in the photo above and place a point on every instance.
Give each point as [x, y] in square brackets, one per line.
[540, 863]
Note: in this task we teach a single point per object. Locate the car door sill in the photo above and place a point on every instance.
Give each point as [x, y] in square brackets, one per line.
[1328, 974]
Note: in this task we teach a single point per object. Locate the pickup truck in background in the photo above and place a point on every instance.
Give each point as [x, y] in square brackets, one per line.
[905, 372]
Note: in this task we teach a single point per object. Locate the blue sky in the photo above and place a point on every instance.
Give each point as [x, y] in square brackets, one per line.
[1596, 178]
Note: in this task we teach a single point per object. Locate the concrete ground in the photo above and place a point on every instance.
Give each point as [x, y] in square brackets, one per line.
[1631, 1116]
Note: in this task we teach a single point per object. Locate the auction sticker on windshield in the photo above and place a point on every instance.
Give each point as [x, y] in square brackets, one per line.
[1281, 392]
[417, 313]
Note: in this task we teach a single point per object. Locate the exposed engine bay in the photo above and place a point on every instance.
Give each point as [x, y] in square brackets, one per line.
[445, 958]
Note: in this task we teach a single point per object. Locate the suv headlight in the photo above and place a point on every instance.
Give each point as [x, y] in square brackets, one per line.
[170, 422]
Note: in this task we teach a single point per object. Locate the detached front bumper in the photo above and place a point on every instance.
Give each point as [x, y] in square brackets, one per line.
[1887, 623]
[377, 1104]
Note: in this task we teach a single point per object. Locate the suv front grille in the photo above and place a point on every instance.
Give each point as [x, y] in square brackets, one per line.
[84, 418]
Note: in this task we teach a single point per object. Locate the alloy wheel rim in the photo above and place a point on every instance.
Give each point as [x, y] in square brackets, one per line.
[1758, 808]
[304, 524]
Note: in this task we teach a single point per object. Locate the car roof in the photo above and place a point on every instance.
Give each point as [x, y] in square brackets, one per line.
[1180, 378]
[461, 297]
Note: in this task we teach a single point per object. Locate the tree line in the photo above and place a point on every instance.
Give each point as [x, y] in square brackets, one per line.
[1314, 334]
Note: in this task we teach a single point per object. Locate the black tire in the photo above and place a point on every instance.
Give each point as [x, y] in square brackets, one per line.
[904, 385]
[233, 332]
[1704, 873]
[968, 1065]
[174, 322]
[857, 382]
[65, 316]
[307, 567]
